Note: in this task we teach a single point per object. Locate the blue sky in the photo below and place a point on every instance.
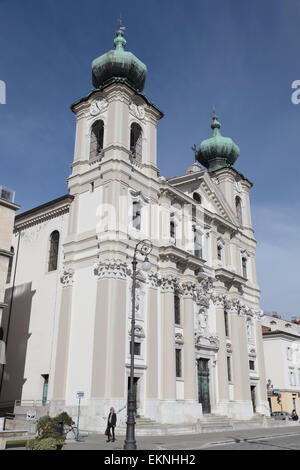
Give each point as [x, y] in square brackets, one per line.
[239, 55]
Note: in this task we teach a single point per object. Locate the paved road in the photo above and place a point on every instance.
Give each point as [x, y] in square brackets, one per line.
[273, 443]
[229, 440]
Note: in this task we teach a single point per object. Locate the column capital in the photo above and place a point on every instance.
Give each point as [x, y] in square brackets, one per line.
[154, 279]
[169, 284]
[188, 289]
[67, 277]
[111, 268]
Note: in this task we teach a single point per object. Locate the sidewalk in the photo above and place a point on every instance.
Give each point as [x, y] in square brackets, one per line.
[183, 442]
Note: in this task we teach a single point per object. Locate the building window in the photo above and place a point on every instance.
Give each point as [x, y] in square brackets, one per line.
[252, 365]
[178, 363]
[292, 378]
[229, 369]
[226, 321]
[238, 208]
[244, 266]
[289, 354]
[10, 263]
[219, 252]
[172, 229]
[53, 253]
[136, 348]
[197, 243]
[136, 217]
[97, 135]
[136, 139]
[177, 308]
[197, 198]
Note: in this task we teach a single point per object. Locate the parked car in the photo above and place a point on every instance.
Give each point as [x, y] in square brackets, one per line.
[281, 415]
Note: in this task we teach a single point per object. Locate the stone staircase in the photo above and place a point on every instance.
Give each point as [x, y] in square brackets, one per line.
[147, 427]
[214, 423]
[208, 423]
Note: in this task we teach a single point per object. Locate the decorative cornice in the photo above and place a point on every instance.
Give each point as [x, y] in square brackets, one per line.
[111, 269]
[43, 213]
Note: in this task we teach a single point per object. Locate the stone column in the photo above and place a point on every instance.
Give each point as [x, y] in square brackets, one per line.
[63, 337]
[168, 366]
[108, 376]
[190, 387]
[152, 336]
[262, 404]
[223, 391]
[240, 362]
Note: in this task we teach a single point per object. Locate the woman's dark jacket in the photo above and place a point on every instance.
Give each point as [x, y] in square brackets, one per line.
[113, 421]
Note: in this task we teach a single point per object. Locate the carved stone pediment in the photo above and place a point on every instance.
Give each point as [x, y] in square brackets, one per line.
[206, 341]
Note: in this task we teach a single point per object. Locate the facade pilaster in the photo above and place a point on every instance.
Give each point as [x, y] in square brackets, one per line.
[62, 351]
[240, 362]
[220, 301]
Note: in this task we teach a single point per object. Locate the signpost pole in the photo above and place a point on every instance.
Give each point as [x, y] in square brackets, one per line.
[77, 432]
[79, 396]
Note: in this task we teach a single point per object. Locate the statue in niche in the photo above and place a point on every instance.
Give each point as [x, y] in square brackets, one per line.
[203, 321]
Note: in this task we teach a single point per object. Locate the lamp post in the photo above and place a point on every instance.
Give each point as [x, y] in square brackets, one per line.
[144, 247]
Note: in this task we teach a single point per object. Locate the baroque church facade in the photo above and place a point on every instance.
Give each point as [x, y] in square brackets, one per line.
[198, 342]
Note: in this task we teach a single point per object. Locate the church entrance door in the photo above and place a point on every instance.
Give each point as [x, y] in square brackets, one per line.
[203, 385]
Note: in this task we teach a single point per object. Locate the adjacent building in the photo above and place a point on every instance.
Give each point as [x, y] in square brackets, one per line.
[198, 340]
[281, 341]
[7, 217]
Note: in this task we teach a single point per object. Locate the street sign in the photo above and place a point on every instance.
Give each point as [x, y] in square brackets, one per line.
[80, 394]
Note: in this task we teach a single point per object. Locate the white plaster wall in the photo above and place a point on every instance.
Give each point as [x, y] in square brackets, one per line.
[82, 327]
[32, 268]
[274, 354]
[89, 212]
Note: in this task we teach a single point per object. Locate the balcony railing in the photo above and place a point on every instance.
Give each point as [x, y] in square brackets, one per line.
[7, 194]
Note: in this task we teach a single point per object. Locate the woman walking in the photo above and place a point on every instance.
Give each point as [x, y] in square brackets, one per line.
[111, 424]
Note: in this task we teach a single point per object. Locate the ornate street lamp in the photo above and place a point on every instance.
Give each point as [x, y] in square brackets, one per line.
[144, 247]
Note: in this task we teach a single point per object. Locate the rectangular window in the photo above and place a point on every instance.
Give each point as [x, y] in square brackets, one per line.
[226, 323]
[172, 229]
[244, 267]
[136, 216]
[178, 363]
[177, 309]
[252, 365]
[136, 348]
[219, 249]
[229, 368]
[197, 244]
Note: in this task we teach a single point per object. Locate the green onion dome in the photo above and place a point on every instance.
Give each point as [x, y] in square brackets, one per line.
[218, 151]
[119, 65]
